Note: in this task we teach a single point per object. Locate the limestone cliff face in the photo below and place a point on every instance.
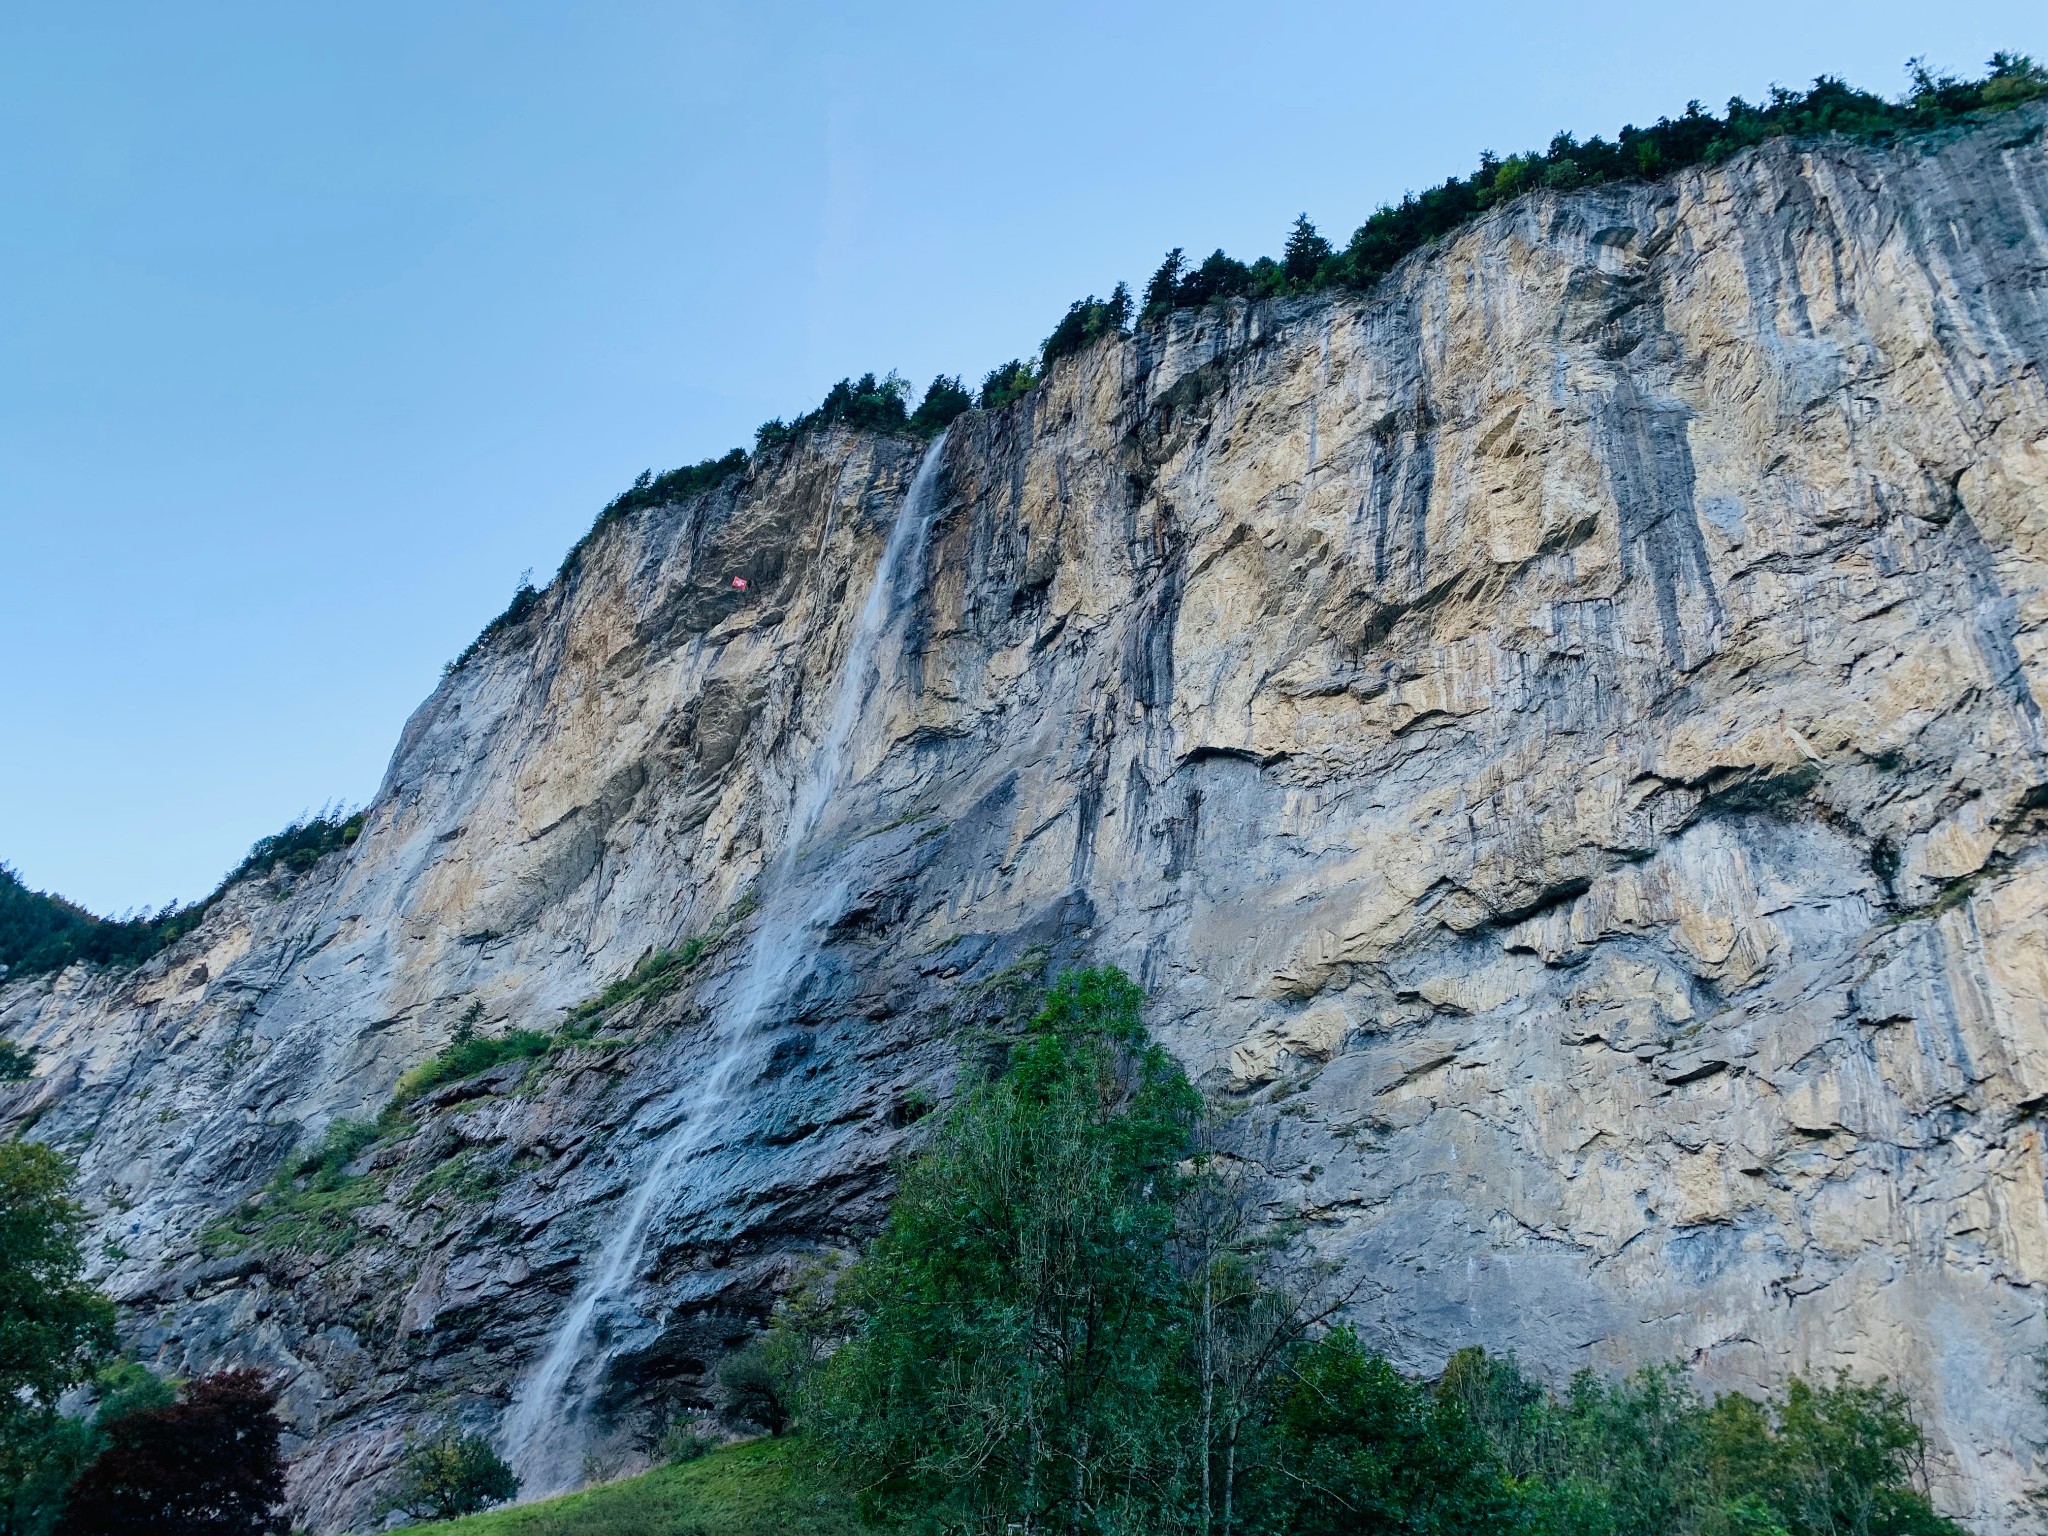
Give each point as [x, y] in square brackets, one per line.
[1560, 740]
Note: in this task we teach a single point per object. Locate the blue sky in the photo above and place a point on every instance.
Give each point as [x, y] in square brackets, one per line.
[320, 324]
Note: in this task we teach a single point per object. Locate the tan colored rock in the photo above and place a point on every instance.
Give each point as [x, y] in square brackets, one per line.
[1559, 738]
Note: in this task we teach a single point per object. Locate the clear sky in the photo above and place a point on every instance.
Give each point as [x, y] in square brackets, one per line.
[319, 324]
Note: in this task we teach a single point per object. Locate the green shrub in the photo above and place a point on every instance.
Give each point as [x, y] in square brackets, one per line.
[676, 485]
[454, 1474]
[1695, 137]
[40, 932]
[653, 978]
[679, 1443]
[866, 404]
[648, 489]
[943, 403]
[311, 1202]
[1086, 322]
[1012, 381]
[467, 1055]
[16, 1061]
[525, 599]
[300, 845]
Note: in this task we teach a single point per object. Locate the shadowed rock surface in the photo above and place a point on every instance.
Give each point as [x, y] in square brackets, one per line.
[1559, 738]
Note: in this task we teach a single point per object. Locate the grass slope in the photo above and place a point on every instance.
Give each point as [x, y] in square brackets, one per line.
[755, 1489]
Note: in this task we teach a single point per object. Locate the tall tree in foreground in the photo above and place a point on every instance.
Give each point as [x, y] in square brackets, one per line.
[1075, 1323]
[55, 1330]
[207, 1465]
[1011, 1350]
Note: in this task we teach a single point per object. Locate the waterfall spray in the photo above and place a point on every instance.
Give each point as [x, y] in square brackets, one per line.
[544, 1433]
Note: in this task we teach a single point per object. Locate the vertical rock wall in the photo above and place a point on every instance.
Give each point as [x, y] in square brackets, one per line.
[1559, 738]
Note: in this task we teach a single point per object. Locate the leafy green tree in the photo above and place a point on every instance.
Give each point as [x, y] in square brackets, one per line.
[755, 1391]
[1362, 1448]
[1073, 1322]
[1088, 321]
[1012, 381]
[41, 932]
[1218, 277]
[55, 1330]
[1694, 137]
[1840, 1460]
[944, 401]
[1647, 1456]
[16, 1061]
[70, 1445]
[1162, 292]
[1301, 263]
[454, 1474]
[1010, 1355]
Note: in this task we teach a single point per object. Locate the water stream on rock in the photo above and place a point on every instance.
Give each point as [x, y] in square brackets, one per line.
[544, 1433]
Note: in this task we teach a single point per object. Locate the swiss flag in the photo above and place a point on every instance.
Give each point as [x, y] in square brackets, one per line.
[739, 583]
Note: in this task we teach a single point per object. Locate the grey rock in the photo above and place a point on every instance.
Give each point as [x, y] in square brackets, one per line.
[1559, 739]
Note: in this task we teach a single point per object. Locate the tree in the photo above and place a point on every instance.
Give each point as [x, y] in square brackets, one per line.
[944, 400]
[754, 1390]
[1218, 277]
[1840, 1460]
[1301, 262]
[1012, 381]
[1647, 1456]
[207, 1465]
[68, 1445]
[1011, 1355]
[16, 1061]
[1086, 322]
[1242, 1328]
[55, 1330]
[1162, 292]
[1076, 1320]
[454, 1474]
[1362, 1448]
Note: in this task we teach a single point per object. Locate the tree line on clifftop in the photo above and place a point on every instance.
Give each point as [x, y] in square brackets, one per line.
[1309, 262]
[1081, 1317]
[41, 932]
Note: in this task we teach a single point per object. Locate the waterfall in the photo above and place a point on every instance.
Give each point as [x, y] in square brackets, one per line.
[543, 1435]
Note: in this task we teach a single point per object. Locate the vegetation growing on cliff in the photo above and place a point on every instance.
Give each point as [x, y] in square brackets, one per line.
[313, 1203]
[141, 1456]
[310, 1204]
[526, 597]
[41, 932]
[1695, 137]
[1309, 262]
[1074, 1319]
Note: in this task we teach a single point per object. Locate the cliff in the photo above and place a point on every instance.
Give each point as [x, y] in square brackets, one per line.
[1559, 738]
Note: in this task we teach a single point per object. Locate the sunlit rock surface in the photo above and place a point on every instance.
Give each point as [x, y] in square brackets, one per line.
[1560, 739]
